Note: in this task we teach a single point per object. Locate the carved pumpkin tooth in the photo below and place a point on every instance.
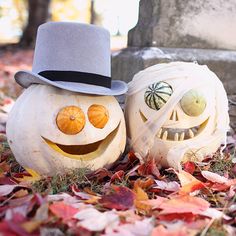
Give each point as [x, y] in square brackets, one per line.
[174, 116]
[182, 136]
[176, 138]
[164, 136]
[191, 134]
[159, 133]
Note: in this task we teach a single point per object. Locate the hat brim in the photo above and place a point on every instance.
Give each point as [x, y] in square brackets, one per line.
[26, 78]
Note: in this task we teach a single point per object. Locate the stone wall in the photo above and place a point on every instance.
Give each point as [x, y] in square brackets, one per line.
[207, 24]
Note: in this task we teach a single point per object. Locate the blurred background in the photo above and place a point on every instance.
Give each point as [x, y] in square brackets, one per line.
[19, 20]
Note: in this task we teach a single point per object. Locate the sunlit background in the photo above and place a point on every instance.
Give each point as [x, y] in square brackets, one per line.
[118, 16]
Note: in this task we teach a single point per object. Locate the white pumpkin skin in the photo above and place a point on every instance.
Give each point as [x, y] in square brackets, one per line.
[33, 118]
[146, 126]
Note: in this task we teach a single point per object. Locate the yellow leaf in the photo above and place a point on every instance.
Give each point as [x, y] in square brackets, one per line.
[34, 176]
[141, 196]
[93, 200]
[31, 226]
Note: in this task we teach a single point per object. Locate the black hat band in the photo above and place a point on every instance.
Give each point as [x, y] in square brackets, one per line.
[77, 77]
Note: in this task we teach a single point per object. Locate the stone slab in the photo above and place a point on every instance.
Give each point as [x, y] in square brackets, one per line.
[185, 24]
[127, 62]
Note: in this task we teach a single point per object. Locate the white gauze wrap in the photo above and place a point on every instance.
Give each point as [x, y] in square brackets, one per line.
[194, 75]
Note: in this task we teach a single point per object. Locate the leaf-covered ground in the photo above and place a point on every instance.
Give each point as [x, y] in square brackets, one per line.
[132, 198]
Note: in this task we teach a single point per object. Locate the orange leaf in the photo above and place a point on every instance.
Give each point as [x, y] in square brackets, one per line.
[187, 217]
[188, 182]
[184, 204]
[144, 184]
[61, 210]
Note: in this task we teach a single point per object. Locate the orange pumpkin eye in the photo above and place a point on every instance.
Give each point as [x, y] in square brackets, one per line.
[70, 120]
[98, 116]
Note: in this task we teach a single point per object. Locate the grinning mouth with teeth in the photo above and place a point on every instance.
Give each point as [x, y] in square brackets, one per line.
[173, 134]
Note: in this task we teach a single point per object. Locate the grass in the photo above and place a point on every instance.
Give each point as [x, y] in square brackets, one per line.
[62, 182]
[216, 229]
[222, 163]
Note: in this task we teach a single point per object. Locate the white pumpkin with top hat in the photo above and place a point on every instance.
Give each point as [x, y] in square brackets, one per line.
[67, 117]
[176, 112]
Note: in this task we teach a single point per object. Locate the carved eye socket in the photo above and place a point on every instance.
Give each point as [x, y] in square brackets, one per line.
[70, 120]
[98, 116]
[193, 103]
[157, 95]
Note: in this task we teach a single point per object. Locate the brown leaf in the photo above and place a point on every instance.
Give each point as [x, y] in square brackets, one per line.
[117, 176]
[149, 168]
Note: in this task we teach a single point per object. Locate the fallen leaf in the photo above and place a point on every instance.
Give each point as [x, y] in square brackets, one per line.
[149, 168]
[188, 182]
[172, 186]
[189, 167]
[21, 193]
[16, 229]
[144, 184]
[213, 177]
[99, 174]
[31, 176]
[7, 189]
[187, 217]
[4, 167]
[184, 204]
[162, 231]
[140, 197]
[80, 194]
[31, 226]
[5, 230]
[138, 228]
[45, 231]
[62, 210]
[94, 220]
[117, 176]
[42, 213]
[155, 203]
[119, 198]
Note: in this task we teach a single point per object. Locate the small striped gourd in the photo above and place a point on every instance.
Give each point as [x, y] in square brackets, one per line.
[157, 94]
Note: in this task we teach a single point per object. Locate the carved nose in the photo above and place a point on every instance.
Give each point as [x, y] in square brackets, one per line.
[174, 116]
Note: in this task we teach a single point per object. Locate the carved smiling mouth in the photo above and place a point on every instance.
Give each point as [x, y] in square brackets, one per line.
[175, 134]
[83, 152]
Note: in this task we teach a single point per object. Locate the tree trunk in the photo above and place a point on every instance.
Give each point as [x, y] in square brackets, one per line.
[38, 13]
[92, 13]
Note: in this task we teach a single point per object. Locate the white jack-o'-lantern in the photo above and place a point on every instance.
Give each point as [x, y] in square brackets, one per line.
[176, 112]
[50, 130]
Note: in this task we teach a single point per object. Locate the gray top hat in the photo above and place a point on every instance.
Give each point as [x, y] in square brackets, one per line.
[74, 57]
